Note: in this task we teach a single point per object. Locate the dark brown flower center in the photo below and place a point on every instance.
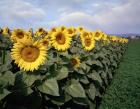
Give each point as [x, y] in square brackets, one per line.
[20, 34]
[60, 38]
[30, 54]
[74, 62]
[40, 30]
[97, 34]
[45, 42]
[53, 29]
[80, 28]
[70, 31]
[87, 41]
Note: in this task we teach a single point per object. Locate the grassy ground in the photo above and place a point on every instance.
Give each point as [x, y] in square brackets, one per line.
[124, 91]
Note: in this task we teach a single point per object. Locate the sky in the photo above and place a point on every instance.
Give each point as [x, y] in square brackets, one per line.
[111, 16]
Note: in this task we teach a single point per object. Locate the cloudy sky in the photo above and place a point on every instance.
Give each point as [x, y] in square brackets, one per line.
[112, 16]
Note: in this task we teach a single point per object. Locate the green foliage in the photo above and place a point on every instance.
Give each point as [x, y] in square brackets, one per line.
[63, 73]
[75, 89]
[49, 86]
[57, 83]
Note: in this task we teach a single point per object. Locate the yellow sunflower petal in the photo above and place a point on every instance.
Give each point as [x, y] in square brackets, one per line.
[88, 41]
[75, 61]
[60, 40]
[29, 55]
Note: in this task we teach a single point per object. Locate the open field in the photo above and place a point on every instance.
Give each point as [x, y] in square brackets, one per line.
[124, 91]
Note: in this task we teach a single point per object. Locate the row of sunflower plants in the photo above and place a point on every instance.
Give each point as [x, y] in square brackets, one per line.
[62, 68]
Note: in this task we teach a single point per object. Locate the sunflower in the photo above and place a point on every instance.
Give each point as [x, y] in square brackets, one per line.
[75, 62]
[41, 32]
[104, 37]
[19, 34]
[60, 40]
[98, 35]
[88, 41]
[45, 41]
[71, 31]
[114, 38]
[28, 54]
[63, 28]
[80, 29]
[125, 40]
[6, 31]
[53, 30]
[84, 34]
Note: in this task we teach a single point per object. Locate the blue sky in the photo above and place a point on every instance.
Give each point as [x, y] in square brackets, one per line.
[112, 16]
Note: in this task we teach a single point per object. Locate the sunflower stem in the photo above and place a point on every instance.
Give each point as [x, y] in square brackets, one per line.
[5, 48]
[57, 60]
[3, 56]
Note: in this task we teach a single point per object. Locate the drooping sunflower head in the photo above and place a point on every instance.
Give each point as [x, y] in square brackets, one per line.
[28, 55]
[88, 41]
[63, 28]
[80, 29]
[60, 40]
[19, 34]
[75, 62]
[6, 31]
[71, 31]
[40, 32]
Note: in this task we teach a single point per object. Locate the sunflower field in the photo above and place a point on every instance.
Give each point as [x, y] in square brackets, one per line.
[62, 68]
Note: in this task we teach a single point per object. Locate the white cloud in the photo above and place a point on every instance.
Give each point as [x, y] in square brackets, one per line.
[116, 16]
[77, 19]
[123, 18]
[20, 8]
[19, 13]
